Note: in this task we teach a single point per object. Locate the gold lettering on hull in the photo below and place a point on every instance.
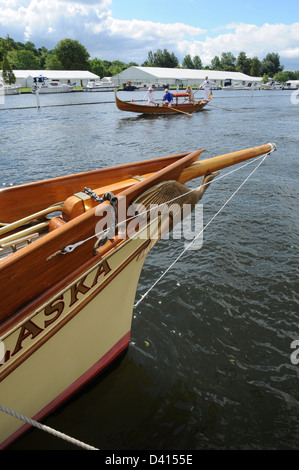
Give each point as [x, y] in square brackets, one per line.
[25, 337]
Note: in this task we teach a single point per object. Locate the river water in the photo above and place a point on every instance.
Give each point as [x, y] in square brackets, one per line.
[210, 364]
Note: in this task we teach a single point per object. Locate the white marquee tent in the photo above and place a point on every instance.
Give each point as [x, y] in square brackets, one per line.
[172, 76]
[80, 77]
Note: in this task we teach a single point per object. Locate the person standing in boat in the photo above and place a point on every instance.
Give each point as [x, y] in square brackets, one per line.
[206, 86]
[150, 97]
[190, 93]
[167, 98]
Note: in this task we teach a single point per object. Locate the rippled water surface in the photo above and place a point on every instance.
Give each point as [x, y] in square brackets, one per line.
[209, 364]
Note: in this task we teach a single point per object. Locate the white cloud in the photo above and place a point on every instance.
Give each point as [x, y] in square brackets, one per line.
[252, 39]
[137, 29]
[91, 22]
[291, 53]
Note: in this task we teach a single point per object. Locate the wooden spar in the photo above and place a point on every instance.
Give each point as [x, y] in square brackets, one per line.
[223, 161]
[218, 107]
[195, 170]
[9, 227]
[179, 111]
[29, 231]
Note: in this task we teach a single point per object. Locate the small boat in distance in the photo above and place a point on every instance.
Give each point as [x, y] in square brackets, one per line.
[102, 85]
[72, 250]
[178, 107]
[8, 89]
[243, 86]
[272, 85]
[45, 85]
[131, 86]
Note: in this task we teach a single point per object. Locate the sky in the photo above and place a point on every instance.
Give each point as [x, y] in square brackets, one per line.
[127, 30]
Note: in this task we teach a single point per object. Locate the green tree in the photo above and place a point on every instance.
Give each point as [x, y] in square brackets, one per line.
[197, 62]
[215, 63]
[161, 59]
[187, 62]
[271, 64]
[283, 77]
[96, 66]
[52, 62]
[5, 46]
[72, 55]
[7, 73]
[228, 61]
[43, 54]
[243, 63]
[31, 47]
[265, 78]
[165, 59]
[23, 60]
[256, 67]
[149, 62]
[114, 70]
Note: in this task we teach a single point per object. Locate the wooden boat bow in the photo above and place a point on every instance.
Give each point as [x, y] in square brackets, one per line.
[66, 313]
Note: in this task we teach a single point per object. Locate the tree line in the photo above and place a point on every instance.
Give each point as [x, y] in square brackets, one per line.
[69, 54]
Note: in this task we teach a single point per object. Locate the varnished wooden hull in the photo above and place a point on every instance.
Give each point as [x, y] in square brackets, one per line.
[65, 317]
[157, 110]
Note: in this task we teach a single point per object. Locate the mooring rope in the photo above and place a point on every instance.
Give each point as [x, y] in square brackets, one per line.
[34, 423]
[195, 238]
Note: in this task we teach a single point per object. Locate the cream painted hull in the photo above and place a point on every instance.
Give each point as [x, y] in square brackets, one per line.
[92, 329]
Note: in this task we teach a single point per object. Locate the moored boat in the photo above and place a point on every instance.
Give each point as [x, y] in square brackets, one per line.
[132, 86]
[69, 285]
[102, 85]
[44, 85]
[8, 89]
[243, 86]
[272, 85]
[177, 107]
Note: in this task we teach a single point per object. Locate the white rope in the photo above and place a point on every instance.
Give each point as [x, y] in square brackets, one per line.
[46, 428]
[70, 248]
[210, 221]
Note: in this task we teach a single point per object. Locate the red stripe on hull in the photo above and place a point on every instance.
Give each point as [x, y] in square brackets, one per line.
[101, 364]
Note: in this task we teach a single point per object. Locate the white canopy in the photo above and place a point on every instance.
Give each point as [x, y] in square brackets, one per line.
[81, 77]
[173, 76]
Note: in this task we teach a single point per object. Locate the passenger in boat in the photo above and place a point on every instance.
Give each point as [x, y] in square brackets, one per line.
[167, 98]
[190, 93]
[150, 97]
[206, 87]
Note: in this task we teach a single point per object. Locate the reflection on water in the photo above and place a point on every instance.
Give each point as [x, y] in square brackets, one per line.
[209, 362]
